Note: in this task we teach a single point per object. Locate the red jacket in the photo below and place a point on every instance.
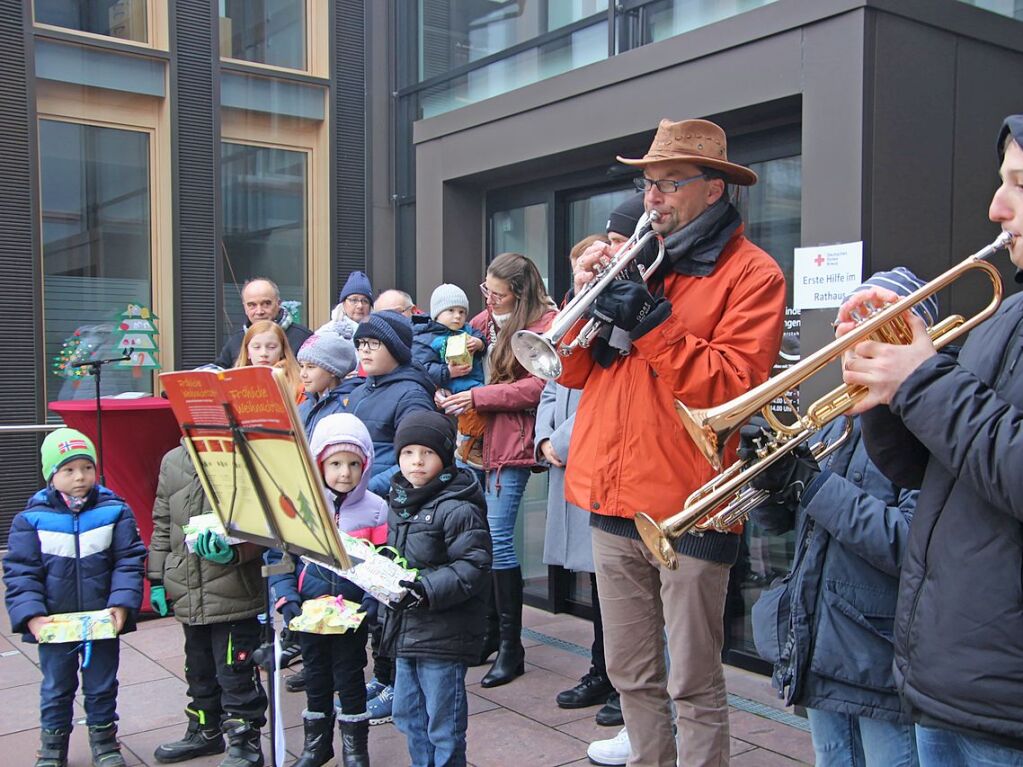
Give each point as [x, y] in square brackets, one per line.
[630, 452]
[510, 409]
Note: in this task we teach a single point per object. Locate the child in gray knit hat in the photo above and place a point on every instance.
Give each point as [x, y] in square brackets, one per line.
[433, 347]
[324, 361]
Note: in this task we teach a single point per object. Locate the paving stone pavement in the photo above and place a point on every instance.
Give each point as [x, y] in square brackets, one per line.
[517, 725]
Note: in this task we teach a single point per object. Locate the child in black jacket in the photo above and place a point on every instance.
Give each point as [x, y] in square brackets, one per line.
[437, 521]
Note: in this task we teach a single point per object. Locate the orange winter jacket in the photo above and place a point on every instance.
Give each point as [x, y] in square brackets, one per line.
[630, 452]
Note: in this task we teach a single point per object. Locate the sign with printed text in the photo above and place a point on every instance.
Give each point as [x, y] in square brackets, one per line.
[824, 275]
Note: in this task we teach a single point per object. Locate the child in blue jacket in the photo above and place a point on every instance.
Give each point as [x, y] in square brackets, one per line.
[75, 548]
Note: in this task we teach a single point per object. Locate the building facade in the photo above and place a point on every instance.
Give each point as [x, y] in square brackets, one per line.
[157, 154]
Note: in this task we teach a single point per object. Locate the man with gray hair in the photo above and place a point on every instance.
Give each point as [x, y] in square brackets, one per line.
[395, 300]
[261, 300]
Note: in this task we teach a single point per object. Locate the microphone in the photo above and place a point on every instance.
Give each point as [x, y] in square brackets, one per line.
[99, 363]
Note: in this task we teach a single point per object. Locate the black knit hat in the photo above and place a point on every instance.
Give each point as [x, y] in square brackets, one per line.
[394, 330]
[1012, 124]
[430, 429]
[624, 218]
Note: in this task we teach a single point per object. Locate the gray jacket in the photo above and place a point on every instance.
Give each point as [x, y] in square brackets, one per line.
[567, 540]
[202, 592]
[957, 432]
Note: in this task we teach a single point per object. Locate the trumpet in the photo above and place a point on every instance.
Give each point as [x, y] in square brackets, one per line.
[711, 428]
[541, 354]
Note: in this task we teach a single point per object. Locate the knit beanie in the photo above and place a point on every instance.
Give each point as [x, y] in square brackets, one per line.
[624, 218]
[1012, 124]
[64, 445]
[394, 330]
[429, 429]
[357, 282]
[329, 351]
[339, 447]
[903, 282]
[447, 296]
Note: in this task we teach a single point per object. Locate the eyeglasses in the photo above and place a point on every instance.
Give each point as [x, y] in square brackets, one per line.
[488, 293]
[664, 185]
[372, 344]
[357, 300]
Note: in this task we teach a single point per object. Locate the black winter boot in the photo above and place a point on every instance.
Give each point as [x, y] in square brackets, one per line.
[201, 739]
[511, 657]
[355, 743]
[106, 751]
[53, 746]
[318, 748]
[243, 749]
[295, 682]
[492, 635]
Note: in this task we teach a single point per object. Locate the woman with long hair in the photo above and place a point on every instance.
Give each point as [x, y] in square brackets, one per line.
[265, 344]
[516, 300]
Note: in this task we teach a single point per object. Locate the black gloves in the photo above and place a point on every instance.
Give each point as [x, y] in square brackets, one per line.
[290, 610]
[416, 596]
[786, 478]
[629, 306]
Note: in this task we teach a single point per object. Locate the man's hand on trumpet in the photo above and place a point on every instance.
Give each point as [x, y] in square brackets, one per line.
[592, 260]
[879, 366]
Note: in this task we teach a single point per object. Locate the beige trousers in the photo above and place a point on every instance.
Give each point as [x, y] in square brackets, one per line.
[641, 603]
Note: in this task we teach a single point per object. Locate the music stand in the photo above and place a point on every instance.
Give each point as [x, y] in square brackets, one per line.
[246, 441]
[95, 368]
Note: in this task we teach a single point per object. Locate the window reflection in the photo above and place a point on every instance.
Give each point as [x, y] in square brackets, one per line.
[265, 194]
[264, 32]
[523, 230]
[96, 249]
[1011, 8]
[125, 19]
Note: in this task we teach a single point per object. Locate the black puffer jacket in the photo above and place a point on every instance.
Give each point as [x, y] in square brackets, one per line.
[448, 541]
[958, 433]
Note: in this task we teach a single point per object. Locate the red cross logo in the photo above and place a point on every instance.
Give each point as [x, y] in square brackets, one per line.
[819, 260]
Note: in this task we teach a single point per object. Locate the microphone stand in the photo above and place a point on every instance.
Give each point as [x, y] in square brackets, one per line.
[95, 368]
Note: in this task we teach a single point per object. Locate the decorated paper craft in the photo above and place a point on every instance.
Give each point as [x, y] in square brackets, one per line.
[135, 334]
[201, 522]
[327, 615]
[456, 352]
[74, 349]
[78, 627]
[373, 572]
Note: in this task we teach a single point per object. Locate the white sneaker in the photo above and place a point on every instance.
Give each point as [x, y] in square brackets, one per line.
[613, 752]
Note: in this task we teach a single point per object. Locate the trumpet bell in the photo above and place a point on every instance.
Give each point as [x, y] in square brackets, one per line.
[656, 540]
[536, 354]
[707, 440]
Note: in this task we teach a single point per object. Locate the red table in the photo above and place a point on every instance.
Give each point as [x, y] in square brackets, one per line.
[136, 435]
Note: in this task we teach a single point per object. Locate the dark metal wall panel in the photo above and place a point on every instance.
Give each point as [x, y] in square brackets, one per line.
[909, 145]
[196, 149]
[989, 82]
[350, 138]
[21, 380]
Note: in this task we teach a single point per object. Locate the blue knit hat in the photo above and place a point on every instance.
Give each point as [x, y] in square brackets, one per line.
[357, 283]
[329, 351]
[394, 330]
[903, 282]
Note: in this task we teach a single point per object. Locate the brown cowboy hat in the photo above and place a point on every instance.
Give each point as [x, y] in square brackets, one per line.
[700, 142]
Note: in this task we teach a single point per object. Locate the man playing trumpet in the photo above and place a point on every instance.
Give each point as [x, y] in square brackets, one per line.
[705, 327]
[951, 425]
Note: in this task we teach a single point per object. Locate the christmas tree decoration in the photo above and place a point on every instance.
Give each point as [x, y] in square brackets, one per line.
[74, 349]
[135, 336]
